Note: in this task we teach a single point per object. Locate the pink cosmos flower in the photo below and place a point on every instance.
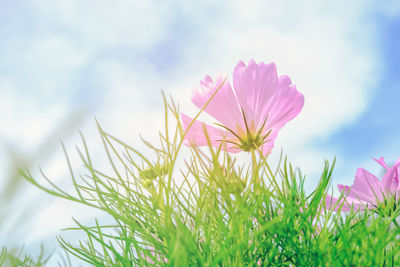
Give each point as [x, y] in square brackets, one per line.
[250, 114]
[368, 191]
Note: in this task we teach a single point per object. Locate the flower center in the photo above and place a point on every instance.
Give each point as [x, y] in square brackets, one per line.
[251, 141]
[250, 138]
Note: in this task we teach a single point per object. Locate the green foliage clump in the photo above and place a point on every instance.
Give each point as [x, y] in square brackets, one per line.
[17, 258]
[212, 210]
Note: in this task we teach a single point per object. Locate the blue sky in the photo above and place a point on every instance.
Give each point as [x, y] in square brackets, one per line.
[111, 60]
[375, 133]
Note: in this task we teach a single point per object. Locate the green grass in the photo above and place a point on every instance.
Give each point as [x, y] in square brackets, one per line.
[17, 258]
[215, 211]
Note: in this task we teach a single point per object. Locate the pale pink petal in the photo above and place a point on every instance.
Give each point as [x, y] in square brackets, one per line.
[397, 163]
[266, 83]
[254, 85]
[286, 105]
[354, 194]
[240, 87]
[344, 204]
[284, 84]
[367, 186]
[224, 106]
[390, 180]
[346, 191]
[382, 162]
[243, 84]
[284, 81]
[196, 135]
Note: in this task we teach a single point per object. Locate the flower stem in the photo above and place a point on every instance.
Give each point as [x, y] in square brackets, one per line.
[256, 175]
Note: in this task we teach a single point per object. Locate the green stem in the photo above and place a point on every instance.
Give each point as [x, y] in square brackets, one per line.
[256, 175]
[176, 151]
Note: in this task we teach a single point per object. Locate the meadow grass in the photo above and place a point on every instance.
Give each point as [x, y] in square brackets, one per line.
[214, 210]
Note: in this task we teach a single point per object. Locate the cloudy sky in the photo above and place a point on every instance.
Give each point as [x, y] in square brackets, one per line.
[62, 63]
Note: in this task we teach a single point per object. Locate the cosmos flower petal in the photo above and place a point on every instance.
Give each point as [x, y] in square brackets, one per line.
[359, 195]
[255, 85]
[266, 82]
[344, 204]
[285, 106]
[284, 81]
[199, 131]
[352, 193]
[242, 94]
[390, 180]
[367, 185]
[223, 107]
[381, 162]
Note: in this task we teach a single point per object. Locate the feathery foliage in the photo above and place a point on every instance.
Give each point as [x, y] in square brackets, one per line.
[210, 209]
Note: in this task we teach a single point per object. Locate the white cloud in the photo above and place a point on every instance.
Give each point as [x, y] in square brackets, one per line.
[23, 121]
[102, 23]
